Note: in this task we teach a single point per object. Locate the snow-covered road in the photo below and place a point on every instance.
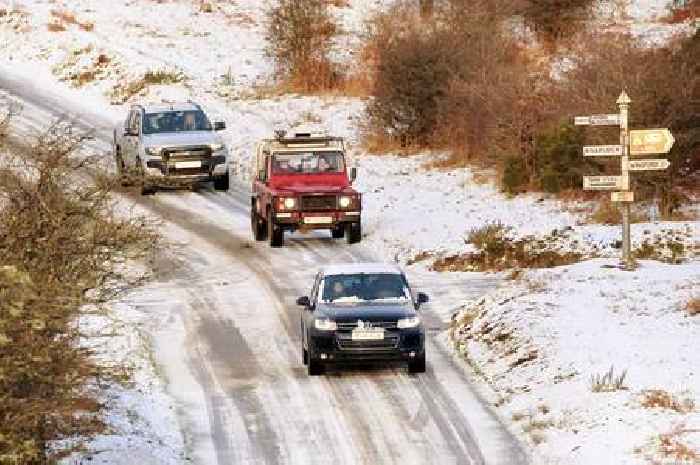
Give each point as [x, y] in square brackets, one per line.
[226, 339]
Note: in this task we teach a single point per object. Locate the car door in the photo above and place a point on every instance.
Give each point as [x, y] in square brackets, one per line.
[130, 140]
[307, 316]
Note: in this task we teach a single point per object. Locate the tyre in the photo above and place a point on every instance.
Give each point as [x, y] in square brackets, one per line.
[338, 232]
[146, 189]
[121, 168]
[353, 232]
[315, 367]
[417, 365]
[258, 226]
[221, 182]
[275, 233]
[304, 354]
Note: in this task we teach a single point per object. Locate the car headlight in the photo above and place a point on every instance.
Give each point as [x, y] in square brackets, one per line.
[286, 203]
[153, 151]
[411, 322]
[217, 147]
[345, 202]
[324, 324]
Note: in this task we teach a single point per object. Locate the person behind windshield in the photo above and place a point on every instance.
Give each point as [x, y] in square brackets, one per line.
[324, 165]
[386, 287]
[189, 123]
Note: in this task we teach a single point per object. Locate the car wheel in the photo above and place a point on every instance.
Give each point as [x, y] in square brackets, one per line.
[417, 365]
[146, 189]
[353, 232]
[338, 232]
[275, 233]
[258, 226]
[221, 182]
[304, 355]
[121, 168]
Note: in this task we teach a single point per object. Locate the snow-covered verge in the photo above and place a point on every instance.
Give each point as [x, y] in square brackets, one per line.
[410, 210]
[539, 341]
[140, 416]
[217, 59]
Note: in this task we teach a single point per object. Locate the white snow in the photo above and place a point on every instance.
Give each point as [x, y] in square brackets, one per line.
[580, 319]
[576, 322]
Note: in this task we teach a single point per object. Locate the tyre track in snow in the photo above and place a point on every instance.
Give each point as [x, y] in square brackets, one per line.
[442, 410]
[357, 430]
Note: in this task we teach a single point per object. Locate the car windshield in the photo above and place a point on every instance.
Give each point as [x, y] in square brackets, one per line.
[364, 287]
[175, 121]
[308, 162]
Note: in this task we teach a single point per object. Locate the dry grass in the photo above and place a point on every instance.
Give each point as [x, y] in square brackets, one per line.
[608, 382]
[658, 398]
[63, 18]
[55, 27]
[693, 306]
[123, 91]
[497, 252]
[671, 447]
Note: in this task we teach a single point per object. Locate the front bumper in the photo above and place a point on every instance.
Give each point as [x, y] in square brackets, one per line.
[336, 346]
[316, 220]
[162, 172]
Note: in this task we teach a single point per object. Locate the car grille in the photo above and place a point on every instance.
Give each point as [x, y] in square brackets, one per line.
[350, 325]
[318, 202]
[194, 153]
[389, 342]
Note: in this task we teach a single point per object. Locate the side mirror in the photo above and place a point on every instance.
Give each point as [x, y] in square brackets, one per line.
[353, 174]
[304, 301]
[219, 125]
[423, 298]
[262, 176]
[129, 132]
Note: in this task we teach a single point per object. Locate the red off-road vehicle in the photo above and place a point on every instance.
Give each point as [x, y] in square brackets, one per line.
[302, 183]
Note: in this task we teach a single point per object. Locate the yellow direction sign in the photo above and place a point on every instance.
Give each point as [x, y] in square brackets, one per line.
[623, 196]
[602, 183]
[651, 141]
[649, 164]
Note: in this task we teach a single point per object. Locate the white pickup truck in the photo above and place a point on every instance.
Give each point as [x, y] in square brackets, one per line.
[168, 145]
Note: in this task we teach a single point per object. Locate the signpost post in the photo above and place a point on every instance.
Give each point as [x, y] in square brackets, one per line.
[632, 143]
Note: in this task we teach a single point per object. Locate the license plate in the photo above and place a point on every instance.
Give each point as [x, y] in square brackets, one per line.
[188, 164]
[368, 334]
[318, 220]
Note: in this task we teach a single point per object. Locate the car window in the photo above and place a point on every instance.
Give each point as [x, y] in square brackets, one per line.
[133, 117]
[308, 162]
[176, 121]
[364, 287]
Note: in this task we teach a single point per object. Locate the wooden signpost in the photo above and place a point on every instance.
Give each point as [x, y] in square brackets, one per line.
[632, 143]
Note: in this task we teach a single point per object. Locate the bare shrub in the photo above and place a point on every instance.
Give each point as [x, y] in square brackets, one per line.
[606, 213]
[299, 35]
[497, 252]
[658, 398]
[60, 248]
[664, 84]
[554, 20]
[608, 382]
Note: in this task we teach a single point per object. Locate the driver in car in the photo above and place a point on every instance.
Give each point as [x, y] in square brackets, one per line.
[324, 165]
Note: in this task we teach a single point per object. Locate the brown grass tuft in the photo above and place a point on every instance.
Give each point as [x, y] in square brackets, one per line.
[608, 382]
[55, 27]
[693, 306]
[658, 398]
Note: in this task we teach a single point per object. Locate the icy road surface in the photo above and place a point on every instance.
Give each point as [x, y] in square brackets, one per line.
[227, 340]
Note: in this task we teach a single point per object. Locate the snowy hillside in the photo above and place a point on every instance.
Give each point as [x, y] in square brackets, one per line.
[532, 347]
